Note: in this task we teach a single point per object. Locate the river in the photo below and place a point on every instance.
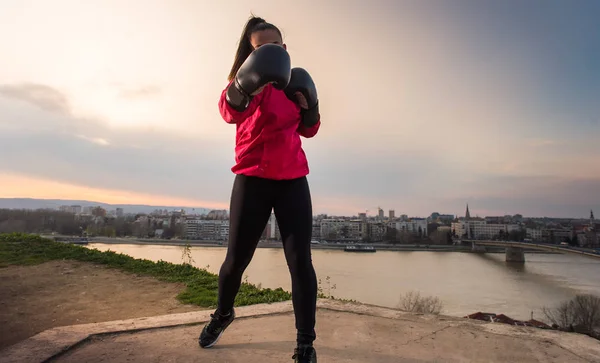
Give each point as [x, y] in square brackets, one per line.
[465, 282]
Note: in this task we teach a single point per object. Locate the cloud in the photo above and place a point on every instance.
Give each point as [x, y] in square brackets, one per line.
[86, 152]
[42, 96]
[47, 143]
[545, 195]
[95, 140]
[451, 102]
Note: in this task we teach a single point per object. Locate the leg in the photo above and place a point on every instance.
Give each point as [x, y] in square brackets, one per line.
[250, 209]
[251, 205]
[293, 209]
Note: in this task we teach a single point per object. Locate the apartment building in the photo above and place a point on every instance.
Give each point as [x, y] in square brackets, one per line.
[206, 229]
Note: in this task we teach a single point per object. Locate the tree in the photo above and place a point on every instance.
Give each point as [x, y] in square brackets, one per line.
[391, 235]
[406, 237]
[517, 235]
[581, 314]
[420, 233]
[413, 302]
[345, 232]
[575, 241]
[99, 212]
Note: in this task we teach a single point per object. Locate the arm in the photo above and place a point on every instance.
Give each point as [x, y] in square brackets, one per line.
[230, 115]
[307, 131]
[269, 64]
[302, 91]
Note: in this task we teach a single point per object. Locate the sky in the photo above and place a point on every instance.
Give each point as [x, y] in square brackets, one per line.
[425, 105]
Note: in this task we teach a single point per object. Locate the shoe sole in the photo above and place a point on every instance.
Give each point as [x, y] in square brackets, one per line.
[218, 336]
[213, 343]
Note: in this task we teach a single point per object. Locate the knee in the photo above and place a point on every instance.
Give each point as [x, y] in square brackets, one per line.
[301, 263]
[234, 266]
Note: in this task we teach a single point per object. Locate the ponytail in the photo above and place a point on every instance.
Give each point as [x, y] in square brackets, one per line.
[244, 49]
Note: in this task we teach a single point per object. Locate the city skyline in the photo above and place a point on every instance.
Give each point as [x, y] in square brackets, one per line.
[387, 213]
[451, 103]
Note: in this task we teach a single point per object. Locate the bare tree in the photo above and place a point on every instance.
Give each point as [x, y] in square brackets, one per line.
[580, 314]
[413, 302]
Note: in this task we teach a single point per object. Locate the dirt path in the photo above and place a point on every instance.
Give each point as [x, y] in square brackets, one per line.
[59, 293]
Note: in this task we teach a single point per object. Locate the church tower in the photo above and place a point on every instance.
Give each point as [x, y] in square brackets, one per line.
[467, 214]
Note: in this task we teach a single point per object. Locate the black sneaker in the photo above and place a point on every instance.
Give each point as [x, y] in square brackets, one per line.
[214, 329]
[305, 354]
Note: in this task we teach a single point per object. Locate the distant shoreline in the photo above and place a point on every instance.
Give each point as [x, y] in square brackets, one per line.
[315, 246]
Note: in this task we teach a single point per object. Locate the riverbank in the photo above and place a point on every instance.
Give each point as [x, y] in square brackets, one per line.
[277, 244]
[34, 298]
[314, 246]
[45, 284]
[201, 285]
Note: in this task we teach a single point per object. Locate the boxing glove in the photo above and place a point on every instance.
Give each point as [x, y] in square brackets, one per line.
[301, 81]
[269, 63]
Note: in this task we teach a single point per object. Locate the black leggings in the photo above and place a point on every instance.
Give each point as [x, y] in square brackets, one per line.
[252, 201]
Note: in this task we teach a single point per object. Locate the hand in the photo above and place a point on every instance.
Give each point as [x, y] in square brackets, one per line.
[301, 100]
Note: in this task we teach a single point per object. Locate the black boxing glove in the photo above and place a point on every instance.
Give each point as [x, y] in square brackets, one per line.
[301, 81]
[269, 63]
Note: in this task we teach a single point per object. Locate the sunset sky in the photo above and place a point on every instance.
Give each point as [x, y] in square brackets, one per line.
[426, 105]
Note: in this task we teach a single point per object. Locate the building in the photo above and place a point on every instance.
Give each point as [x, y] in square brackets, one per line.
[316, 230]
[557, 234]
[120, 212]
[415, 226]
[592, 231]
[271, 230]
[203, 229]
[376, 231]
[357, 229]
[534, 234]
[74, 209]
[217, 214]
[441, 218]
[392, 214]
[331, 228]
[478, 228]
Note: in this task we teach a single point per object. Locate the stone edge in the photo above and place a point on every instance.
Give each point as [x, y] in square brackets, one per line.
[56, 341]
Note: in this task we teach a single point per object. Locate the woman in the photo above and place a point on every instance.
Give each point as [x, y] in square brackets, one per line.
[271, 106]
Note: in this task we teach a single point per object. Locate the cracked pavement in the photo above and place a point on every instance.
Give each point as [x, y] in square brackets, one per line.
[343, 337]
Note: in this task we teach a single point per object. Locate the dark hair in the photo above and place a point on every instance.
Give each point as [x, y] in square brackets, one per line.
[244, 49]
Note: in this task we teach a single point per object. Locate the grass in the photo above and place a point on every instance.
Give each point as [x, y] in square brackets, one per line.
[202, 286]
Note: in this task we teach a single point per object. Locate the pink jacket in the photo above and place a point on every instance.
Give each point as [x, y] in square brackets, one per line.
[268, 134]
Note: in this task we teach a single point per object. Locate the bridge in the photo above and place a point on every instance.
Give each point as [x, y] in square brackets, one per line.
[515, 251]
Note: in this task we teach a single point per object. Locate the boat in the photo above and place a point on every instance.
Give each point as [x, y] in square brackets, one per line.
[359, 248]
[72, 240]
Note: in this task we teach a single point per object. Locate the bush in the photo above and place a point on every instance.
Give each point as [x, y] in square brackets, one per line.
[413, 302]
[580, 314]
[22, 237]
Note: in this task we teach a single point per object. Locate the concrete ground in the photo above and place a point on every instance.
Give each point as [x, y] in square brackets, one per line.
[265, 333]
